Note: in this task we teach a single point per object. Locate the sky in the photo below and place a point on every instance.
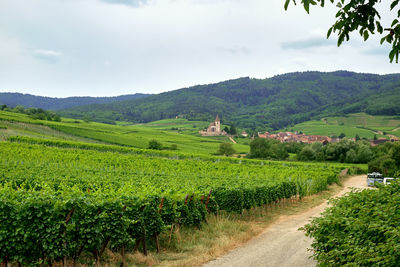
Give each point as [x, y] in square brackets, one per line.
[63, 48]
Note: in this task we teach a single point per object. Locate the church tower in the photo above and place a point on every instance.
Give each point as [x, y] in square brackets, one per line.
[217, 124]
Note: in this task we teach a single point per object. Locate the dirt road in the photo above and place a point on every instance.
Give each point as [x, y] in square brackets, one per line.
[281, 244]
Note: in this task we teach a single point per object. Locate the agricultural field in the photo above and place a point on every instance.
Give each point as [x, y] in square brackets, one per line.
[74, 201]
[375, 123]
[127, 135]
[366, 126]
[14, 128]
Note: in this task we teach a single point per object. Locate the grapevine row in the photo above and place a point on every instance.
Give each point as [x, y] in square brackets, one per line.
[57, 203]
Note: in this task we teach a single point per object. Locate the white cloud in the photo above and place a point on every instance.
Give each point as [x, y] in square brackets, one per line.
[50, 56]
[47, 53]
[105, 47]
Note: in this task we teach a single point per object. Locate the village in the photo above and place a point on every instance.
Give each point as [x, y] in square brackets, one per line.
[214, 129]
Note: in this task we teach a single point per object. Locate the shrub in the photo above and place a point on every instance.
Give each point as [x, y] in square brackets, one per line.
[154, 144]
[226, 149]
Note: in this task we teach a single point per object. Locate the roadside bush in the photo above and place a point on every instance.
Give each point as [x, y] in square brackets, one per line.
[360, 229]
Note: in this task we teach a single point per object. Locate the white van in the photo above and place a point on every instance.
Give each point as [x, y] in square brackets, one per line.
[373, 178]
[388, 180]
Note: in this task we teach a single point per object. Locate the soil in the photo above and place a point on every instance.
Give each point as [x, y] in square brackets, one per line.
[282, 244]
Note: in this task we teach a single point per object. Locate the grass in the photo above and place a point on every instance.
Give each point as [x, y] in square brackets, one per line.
[222, 233]
[127, 135]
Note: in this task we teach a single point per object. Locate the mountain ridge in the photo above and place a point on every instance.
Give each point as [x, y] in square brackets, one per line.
[56, 103]
[271, 103]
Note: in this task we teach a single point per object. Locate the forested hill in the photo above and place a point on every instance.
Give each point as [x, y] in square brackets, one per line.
[51, 103]
[256, 103]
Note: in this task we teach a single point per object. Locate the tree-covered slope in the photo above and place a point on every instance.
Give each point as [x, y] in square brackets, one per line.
[258, 103]
[52, 103]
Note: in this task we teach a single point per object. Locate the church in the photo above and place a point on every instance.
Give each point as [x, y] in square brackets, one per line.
[214, 129]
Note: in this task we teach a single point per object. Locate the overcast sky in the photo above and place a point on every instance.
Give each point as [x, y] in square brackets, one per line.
[112, 47]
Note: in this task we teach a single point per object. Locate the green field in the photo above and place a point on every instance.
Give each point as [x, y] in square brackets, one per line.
[127, 135]
[366, 126]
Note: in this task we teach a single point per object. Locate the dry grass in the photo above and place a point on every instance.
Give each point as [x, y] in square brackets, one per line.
[222, 233]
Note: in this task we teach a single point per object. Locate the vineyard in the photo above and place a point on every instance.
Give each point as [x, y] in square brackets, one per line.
[57, 203]
[137, 136]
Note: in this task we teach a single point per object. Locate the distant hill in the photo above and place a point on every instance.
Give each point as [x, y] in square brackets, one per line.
[51, 103]
[272, 103]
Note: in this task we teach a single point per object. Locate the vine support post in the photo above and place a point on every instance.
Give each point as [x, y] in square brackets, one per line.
[156, 235]
[157, 243]
[170, 234]
[67, 219]
[161, 205]
[144, 241]
[144, 244]
[208, 199]
[104, 246]
[123, 263]
[96, 255]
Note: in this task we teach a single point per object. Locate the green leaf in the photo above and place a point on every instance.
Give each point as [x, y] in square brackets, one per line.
[286, 4]
[329, 32]
[307, 6]
[391, 55]
[379, 27]
[366, 35]
[394, 4]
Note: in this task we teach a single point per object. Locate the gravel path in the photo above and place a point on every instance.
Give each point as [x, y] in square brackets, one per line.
[281, 244]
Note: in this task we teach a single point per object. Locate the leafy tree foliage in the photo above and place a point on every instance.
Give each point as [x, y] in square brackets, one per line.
[226, 149]
[344, 151]
[267, 149]
[307, 154]
[361, 16]
[386, 160]
[232, 130]
[293, 147]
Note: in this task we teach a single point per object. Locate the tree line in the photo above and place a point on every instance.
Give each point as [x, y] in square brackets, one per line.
[384, 158]
[35, 113]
